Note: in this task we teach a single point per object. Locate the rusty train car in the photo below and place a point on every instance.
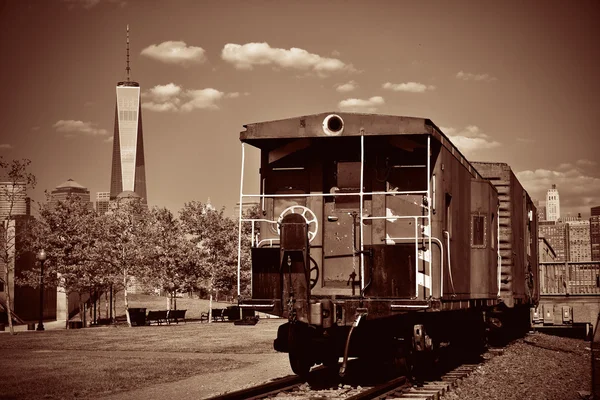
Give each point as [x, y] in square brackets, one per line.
[378, 239]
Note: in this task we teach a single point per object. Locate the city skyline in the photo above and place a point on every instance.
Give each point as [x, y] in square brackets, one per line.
[511, 83]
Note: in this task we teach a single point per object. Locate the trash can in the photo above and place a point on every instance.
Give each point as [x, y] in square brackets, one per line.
[137, 316]
[233, 313]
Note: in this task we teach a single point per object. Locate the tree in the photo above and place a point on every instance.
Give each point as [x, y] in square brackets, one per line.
[69, 232]
[15, 180]
[216, 236]
[123, 250]
[173, 261]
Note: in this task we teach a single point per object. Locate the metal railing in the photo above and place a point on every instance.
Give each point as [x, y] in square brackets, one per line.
[573, 278]
[428, 194]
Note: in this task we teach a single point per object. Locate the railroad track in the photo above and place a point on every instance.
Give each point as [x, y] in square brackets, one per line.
[323, 385]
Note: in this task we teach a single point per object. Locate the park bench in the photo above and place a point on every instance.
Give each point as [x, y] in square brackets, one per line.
[176, 315]
[157, 316]
[219, 314]
[204, 317]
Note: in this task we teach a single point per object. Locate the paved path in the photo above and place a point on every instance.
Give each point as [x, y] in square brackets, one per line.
[48, 325]
[264, 367]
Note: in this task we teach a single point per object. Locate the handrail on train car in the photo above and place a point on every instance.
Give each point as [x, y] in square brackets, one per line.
[361, 194]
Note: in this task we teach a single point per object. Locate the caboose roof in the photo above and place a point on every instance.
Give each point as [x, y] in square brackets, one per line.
[262, 134]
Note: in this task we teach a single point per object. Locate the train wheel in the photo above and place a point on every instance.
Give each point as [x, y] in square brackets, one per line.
[300, 362]
[300, 356]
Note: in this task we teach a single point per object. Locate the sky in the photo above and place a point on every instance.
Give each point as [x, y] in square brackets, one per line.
[509, 81]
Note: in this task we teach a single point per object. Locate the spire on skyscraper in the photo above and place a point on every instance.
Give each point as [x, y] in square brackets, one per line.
[127, 68]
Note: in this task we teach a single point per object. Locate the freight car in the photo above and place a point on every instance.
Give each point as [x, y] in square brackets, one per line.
[380, 240]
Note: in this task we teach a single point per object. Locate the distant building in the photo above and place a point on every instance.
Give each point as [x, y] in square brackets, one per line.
[595, 234]
[15, 194]
[579, 240]
[545, 251]
[102, 202]
[70, 188]
[25, 300]
[541, 211]
[556, 234]
[128, 163]
[552, 204]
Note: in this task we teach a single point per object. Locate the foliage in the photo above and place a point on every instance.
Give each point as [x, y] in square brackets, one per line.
[17, 180]
[216, 236]
[69, 232]
[173, 263]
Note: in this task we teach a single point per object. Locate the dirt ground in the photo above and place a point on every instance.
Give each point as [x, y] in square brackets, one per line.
[197, 361]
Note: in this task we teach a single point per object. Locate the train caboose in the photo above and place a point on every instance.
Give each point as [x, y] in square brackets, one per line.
[379, 239]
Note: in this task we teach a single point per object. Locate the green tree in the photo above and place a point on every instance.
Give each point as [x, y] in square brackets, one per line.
[68, 231]
[216, 236]
[172, 262]
[124, 244]
[15, 180]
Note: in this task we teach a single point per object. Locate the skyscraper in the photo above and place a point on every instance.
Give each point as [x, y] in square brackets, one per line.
[579, 240]
[552, 205]
[595, 233]
[128, 165]
[102, 202]
[13, 200]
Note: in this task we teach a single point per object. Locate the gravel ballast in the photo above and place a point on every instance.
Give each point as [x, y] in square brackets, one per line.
[536, 367]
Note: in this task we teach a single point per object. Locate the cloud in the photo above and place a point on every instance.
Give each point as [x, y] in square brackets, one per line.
[578, 190]
[248, 55]
[5, 146]
[175, 53]
[470, 139]
[360, 105]
[171, 97]
[346, 87]
[413, 87]
[467, 76]
[202, 99]
[71, 127]
[586, 163]
[109, 139]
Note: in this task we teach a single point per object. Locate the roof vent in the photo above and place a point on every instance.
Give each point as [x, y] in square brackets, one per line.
[333, 125]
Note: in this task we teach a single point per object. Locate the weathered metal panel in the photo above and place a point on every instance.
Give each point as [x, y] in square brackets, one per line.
[518, 235]
[484, 203]
[391, 271]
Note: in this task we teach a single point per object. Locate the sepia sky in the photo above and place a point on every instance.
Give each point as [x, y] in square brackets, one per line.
[509, 81]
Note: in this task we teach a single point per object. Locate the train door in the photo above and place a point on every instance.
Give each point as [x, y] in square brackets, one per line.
[341, 219]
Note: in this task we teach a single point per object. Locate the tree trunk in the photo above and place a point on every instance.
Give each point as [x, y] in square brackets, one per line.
[106, 304]
[210, 308]
[8, 310]
[168, 300]
[125, 295]
[174, 301]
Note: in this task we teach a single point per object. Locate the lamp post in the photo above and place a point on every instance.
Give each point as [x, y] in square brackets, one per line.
[41, 256]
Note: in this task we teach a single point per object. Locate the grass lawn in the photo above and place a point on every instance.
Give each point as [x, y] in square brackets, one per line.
[98, 361]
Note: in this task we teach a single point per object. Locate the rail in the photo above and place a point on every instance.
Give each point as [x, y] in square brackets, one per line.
[428, 195]
[572, 278]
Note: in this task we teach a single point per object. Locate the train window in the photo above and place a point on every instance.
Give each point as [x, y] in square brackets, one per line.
[347, 181]
[478, 231]
[407, 178]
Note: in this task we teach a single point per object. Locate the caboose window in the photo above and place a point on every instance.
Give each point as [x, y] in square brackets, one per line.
[478, 231]
[348, 181]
